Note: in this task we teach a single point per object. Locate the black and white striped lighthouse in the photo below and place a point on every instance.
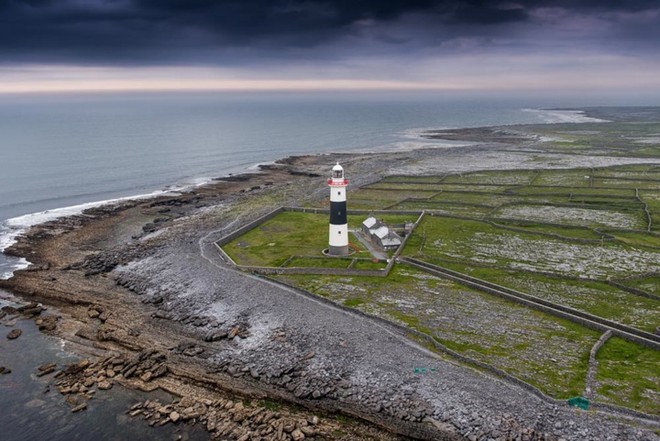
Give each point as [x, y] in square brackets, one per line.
[338, 222]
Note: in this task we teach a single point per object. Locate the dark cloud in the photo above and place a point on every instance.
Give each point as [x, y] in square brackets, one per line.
[207, 31]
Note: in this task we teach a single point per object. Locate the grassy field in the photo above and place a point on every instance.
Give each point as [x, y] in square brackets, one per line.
[650, 284]
[295, 239]
[481, 326]
[273, 242]
[560, 235]
[619, 362]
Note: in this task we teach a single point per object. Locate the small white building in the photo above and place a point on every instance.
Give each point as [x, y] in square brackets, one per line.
[381, 234]
[370, 223]
[386, 238]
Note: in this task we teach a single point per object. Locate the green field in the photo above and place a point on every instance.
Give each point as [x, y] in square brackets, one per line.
[486, 328]
[619, 362]
[561, 235]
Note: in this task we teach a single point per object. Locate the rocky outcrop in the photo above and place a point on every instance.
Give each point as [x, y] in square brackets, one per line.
[231, 419]
[14, 334]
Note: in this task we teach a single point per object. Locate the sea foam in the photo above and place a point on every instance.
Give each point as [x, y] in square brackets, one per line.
[10, 229]
[563, 116]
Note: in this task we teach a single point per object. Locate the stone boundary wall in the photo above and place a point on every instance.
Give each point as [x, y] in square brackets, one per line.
[628, 289]
[406, 331]
[249, 226]
[494, 222]
[632, 290]
[399, 250]
[269, 270]
[587, 320]
[649, 217]
[593, 365]
[240, 231]
[224, 255]
[349, 260]
[365, 212]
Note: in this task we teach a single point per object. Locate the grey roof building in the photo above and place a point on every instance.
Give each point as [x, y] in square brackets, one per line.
[381, 234]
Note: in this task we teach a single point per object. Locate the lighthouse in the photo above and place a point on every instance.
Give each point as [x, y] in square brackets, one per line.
[338, 223]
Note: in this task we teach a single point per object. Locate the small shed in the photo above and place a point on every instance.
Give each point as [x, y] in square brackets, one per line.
[369, 224]
[386, 238]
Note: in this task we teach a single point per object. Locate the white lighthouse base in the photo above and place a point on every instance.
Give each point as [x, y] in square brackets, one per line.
[338, 251]
[338, 240]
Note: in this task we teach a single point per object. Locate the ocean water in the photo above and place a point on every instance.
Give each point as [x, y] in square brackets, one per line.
[62, 153]
[34, 410]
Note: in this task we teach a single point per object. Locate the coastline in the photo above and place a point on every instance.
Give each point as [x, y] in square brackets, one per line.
[73, 312]
[74, 276]
[410, 140]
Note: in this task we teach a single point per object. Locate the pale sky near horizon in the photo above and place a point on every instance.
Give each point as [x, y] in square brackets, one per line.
[497, 45]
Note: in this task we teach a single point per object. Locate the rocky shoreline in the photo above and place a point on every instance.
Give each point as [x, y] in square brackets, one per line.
[140, 283]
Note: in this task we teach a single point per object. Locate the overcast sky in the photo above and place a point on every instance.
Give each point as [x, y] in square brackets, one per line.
[594, 45]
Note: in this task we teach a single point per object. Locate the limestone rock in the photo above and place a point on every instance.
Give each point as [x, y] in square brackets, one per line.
[14, 334]
[104, 385]
[46, 323]
[79, 407]
[46, 369]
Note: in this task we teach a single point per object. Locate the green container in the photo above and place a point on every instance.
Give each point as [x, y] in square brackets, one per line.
[580, 402]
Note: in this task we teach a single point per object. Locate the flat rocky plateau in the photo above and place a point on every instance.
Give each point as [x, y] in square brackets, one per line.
[143, 294]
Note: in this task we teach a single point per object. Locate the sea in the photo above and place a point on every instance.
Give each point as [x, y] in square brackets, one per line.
[62, 153]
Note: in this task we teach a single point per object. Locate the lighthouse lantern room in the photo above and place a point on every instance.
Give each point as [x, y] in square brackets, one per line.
[338, 221]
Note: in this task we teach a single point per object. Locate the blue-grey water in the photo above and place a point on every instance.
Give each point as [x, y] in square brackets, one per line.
[31, 408]
[64, 150]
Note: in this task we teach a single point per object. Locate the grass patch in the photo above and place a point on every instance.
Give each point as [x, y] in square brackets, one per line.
[296, 234]
[270, 405]
[354, 302]
[628, 375]
[573, 178]
[567, 231]
[650, 284]
[274, 241]
[637, 238]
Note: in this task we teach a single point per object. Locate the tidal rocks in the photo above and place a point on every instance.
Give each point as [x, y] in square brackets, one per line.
[31, 309]
[46, 323]
[104, 385]
[9, 310]
[14, 334]
[78, 408]
[229, 419]
[77, 380]
[46, 369]
[4, 370]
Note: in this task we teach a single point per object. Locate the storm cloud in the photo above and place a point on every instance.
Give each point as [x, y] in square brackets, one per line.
[244, 32]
